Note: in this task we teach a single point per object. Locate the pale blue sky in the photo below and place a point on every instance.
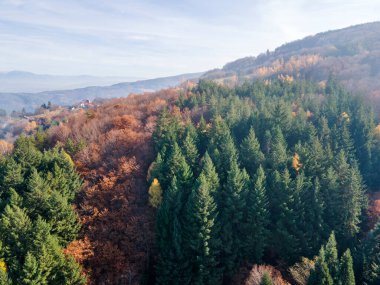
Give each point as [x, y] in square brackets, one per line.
[146, 38]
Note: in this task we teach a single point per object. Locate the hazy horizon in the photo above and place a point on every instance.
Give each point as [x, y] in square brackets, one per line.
[150, 39]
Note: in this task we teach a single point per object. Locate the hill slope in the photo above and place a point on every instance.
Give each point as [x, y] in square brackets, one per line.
[351, 54]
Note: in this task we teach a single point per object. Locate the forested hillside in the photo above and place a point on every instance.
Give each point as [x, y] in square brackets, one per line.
[352, 54]
[264, 173]
[263, 183]
[36, 217]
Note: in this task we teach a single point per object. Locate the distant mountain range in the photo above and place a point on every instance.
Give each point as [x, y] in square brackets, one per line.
[351, 54]
[31, 101]
[21, 81]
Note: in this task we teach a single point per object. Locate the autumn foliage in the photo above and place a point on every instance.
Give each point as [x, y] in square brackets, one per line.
[118, 224]
[258, 271]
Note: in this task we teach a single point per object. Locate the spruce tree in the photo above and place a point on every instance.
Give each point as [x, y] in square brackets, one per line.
[222, 148]
[31, 274]
[331, 257]
[156, 170]
[177, 166]
[278, 154]
[265, 279]
[315, 227]
[25, 153]
[4, 280]
[190, 151]
[251, 154]
[201, 232]
[371, 256]
[202, 130]
[347, 276]
[283, 216]
[208, 169]
[346, 200]
[232, 206]
[320, 275]
[171, 260]
[13, 176]
[257, 219]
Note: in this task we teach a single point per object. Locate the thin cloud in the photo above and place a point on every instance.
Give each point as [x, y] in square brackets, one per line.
[148, 38]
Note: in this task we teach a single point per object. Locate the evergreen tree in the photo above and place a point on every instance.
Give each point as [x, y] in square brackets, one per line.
[251, 154]
[171, 260]
[232, 207]
[257, 219]
[320, 275]
[177, 166]
[202, 135]
[190, 151]
[265, 279]
[208, 169]
[31, 274]
[222, 148]
[347, 276]
[331, 258]
[13, 176]
[4, 280]
[284, 219]
[25, 153]
[315, 227]
[278, 155]
[201, 233]
[156, 169]
[371, 256]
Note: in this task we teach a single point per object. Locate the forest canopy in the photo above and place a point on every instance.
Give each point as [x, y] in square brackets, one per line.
[265, 172]
[264, 183]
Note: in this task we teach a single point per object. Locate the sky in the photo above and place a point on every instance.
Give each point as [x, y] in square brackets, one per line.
[156, 38]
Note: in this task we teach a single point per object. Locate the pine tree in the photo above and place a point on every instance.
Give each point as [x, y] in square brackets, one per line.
[283, 216]
[25, 153]
[202, 135]
[281, 115]
[222, 148]
[208, 169]
[69, 272]
[251, 154]
[320, 275]
[156, 169]
[315, 227]
[331, 258]
[347, 276]
[15, 226]
[256, 230]
[177, 166]
[31, 274]
[265, 279]
[278, 155]
[201, 233]
[13, 176]
[63, 219]
[4, 280]
[171, 260]
[345, 199]
[190, 151]
[232, 207]
[371, 256]
[37, 197]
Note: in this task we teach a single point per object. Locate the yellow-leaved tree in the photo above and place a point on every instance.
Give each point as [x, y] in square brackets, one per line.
[3, 266]
[296, 164]
[155, 193]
